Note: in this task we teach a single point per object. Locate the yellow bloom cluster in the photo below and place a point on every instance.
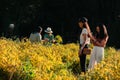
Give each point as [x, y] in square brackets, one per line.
[26, 60]
[9, 58]
[108, 69]
[34, 61]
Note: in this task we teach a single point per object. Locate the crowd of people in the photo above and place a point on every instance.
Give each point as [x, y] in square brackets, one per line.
[99, 41]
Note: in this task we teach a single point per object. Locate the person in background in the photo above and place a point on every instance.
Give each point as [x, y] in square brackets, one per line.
[99, 41]
[48, 36]
[84, 42]
[36, 36]
[10, 32]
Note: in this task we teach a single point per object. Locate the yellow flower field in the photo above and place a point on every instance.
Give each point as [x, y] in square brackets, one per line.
[34, 61]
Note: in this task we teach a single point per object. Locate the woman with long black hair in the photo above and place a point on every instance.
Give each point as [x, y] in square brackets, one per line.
[99, 41]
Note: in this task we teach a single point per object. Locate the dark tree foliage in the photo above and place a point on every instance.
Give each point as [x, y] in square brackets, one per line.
[61, 16]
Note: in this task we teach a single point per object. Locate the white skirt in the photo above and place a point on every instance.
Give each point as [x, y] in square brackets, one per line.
[96, 56]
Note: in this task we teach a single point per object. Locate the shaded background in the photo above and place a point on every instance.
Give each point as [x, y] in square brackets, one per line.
[61, 16]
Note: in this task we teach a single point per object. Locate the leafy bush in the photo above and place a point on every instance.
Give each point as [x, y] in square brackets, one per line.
[58, 39]
[33, 61]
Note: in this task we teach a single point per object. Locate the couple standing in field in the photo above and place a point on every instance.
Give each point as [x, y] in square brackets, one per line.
[99, 41]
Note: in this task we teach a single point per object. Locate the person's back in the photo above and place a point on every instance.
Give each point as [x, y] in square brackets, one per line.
[35, 37]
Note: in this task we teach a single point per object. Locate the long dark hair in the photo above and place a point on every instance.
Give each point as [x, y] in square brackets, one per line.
[103, 32]
[83, 20]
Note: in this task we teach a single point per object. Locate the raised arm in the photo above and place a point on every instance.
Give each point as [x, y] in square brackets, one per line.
[89, 31]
